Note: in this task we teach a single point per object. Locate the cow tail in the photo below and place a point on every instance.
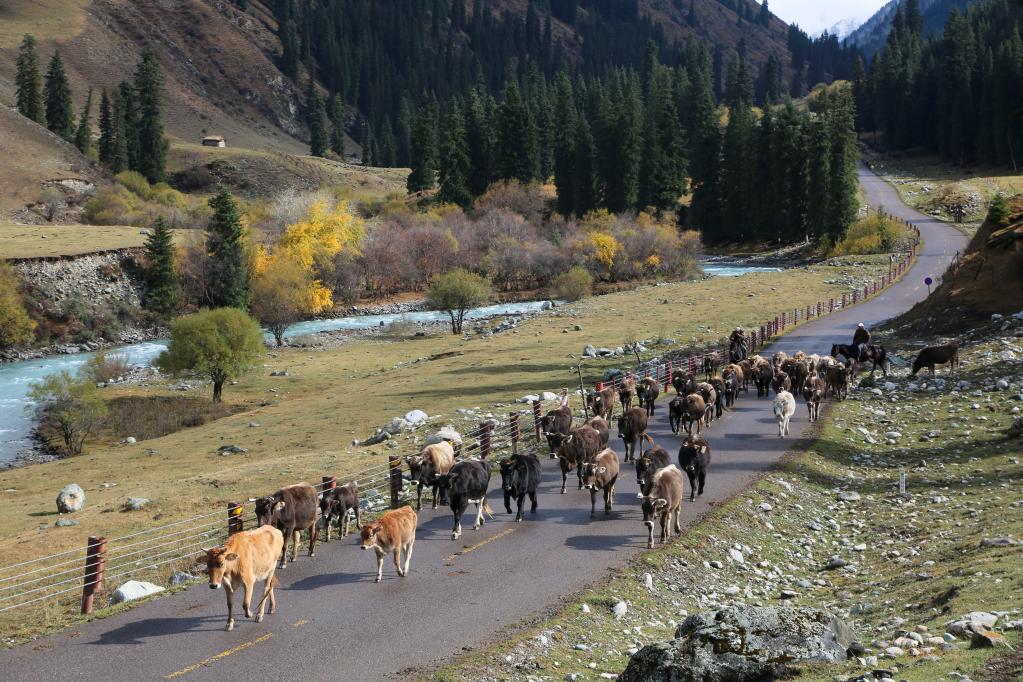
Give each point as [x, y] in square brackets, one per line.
[487, 510]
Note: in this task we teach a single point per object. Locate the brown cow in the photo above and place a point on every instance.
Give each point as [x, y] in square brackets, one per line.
[779, 358]
[839, 379]
[648, 391]
[601, 474]
[937, 355]
[676, 413]
[246, 557]
[340, 502]
[813, 393]
[747, 374]
[663, 501]
[394, 532]
[556, 424]
[711, 362]
[694, 412]
[781, 382]
[602, 428]
[648, 464]
[763, 373]
[683, 381]
[631, 428]
[602, 403]
[711, 398]
[627, 392]
[578, 447]
[432, 461]
[292, 509]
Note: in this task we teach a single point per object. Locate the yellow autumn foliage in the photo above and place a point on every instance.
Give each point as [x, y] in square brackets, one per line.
[605, 248]
[324, 233]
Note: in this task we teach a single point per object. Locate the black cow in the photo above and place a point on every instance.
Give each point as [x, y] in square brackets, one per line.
[648, 390]
[647, 465]
[554, 425]
[340, 503]
[694, 458]
[467, 482]
[520, 476]
[291, 510]
[676, 412]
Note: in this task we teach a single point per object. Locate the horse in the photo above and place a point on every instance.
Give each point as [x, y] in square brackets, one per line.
[737, 352]
[876, 354]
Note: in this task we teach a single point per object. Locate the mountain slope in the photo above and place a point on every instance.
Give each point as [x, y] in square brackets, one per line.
[871, 36]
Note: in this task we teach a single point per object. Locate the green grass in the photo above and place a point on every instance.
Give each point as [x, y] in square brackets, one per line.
[45, 19]
[965, 485]
[38, 241]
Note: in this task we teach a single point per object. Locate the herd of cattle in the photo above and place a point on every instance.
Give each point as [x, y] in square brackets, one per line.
[250, 556]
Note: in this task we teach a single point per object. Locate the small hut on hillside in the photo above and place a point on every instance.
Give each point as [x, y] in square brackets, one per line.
[214, 141]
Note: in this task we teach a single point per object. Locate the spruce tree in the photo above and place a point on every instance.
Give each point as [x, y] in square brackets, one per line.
[106, 128]
[705, 210]
[479, 131]
[454, 161]
[584, 192]
[337, 126]
[819, 180]
[163, 290]
[518, 154]
[228, 283]
[129, 125]
[737, 181]
[388, 146]
[57, 91]
[27, 83]
[663, 167]
[83, 134]
[119, 156]
[564, 144]
[316, 119]
[152, 145]
[424, 150]
[843, 196]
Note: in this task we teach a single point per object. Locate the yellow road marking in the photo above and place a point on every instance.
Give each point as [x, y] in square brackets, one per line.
[217, 657]
[473, 548]
[299, 623]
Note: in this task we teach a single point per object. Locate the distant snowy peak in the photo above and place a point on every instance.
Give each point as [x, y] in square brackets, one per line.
[845, 27]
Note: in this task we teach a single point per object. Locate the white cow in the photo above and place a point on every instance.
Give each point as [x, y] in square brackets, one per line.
[784, 408]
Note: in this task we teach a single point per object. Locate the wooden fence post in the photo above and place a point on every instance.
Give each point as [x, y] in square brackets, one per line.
[95, 564]
[536, 419]
[486, 431]
[513, 423]
[394, 478]
[235, 523]
[329, 483]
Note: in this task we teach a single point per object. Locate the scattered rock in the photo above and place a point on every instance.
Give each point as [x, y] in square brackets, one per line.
[181, 578]
[848, 496]
[416, 417]
[736, 556]
[620, 609]
[997, 542]
[447, 433]
[589, 352]
[65, 523]
[528, 398]
[132, 590]
[70, 499]
[136, 503]
[988, 639]
[835, 562]
[231, 449]
[281, 373]
[130, 440]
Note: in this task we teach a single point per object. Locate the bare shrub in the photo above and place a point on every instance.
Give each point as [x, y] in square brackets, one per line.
[574, 284]
[103, 367]
[526, 200]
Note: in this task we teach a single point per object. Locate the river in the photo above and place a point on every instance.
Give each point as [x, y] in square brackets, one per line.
[16, 378]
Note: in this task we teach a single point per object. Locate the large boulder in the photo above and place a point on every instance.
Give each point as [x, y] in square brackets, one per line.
[741, 644]
[70, 499]
[447, 433]
[132, 590]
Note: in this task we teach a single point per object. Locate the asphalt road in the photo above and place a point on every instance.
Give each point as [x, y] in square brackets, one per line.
[334, 622]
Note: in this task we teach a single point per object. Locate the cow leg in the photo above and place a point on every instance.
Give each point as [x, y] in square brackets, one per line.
[396, 554]
[283, 563]
[593, 502]
[703, 479]
[532, 499]
[664, 528]
[408, 554]
[579, 473]
[564, 480]
[380, 563]
[326, 527]
[436, 495]
[229, 593]
[678, 520]
[249, 587]
[419, 497]
[267, 591]
[456, 532]
[521, 500]
[272, 581]
[608, 493]
[345, 524]
[692, 485]
[313, 532]
[296, 537]
[649, 534]
[507, 501]
[358, 517]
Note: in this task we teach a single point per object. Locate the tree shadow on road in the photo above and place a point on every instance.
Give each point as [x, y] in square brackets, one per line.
[136, 632]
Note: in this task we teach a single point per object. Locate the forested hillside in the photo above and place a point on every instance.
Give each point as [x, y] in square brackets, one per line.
[960, 95]
[871, 36]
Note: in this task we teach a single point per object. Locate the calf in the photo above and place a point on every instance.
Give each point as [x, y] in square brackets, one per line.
[579, 446]
[648, 391]
[627, 393]
[601, 474]
[246, 557]
[747, 374]
[732, 379]
[340, 503]
[784, 408]
[763, 374]
[291, 510]
[631, 428]
[937, 355]
[432, 461]
[800, 371]
[663, 500]
[648, 464]
[813, 393]
[520, 476]
[711, 398]
[602, 403]
[711, 362]
[694, 412]
[603, 430]
[684, 382]
[556, 424]
[394, 532]
[694, 458]
[719, 386]
[676, 413]
[779, 357]
[467, 482]
[781, 382]
[839, 378]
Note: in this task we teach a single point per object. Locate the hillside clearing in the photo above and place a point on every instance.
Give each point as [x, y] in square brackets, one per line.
[914, 560]
[305, 421]
[45, 19]
[44, 241]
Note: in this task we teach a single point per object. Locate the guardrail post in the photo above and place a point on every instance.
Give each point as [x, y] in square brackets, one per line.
[513, 423]
[95, 565]
[235, 523]
[820, 308]
[486, 429]
[536, 419]
[394, 478]
[667, 376]
[329, 483]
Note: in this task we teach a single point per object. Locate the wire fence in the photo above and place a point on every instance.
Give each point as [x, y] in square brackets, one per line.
[55, 577]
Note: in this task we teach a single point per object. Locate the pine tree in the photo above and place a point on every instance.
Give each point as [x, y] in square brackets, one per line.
[481, 140]
[662, 175]
[585, 169]
[152, 145]
[83, 133]
[388, 146]
[59, 116]
[843, 197]
[517, 149]
[27, 84]
[337, 126]
[316, 119]
[119, 155]
[819, 180]
[454, 161]
[705, 211]
[129, 125]
[106, 128]
[228, 283]
[424, 150]
[564, 144]
[163, 290]
[738, 184]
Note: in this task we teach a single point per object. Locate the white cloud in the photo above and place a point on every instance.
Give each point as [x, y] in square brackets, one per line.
[814, 16]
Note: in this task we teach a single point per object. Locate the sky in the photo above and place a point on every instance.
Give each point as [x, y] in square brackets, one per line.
[813, 16]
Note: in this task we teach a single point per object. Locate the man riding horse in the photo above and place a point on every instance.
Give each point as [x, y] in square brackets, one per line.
[861, 339]
[862, 350]
[737, 348]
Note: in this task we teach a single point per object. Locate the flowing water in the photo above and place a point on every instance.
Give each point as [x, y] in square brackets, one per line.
[16, 378]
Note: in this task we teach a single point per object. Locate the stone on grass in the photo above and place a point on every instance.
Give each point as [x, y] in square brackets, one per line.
[741, 644]
[848, 496]
[132, 590]
[136, 503]
[447, 433]
[66, 523]
[997, 542]
[70, 499]
[416, 417]
[988, 639]
[620, 609]
[130, 440]
[231, 449]
[181, 578]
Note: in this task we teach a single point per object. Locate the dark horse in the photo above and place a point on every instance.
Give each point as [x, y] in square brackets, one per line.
[877, 354]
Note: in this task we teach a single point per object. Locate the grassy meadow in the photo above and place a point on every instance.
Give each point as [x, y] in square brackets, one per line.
[41, 241]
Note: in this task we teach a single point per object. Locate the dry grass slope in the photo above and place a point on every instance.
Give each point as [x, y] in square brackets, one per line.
[44, 241]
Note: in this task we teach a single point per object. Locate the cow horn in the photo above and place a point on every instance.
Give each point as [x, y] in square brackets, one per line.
[252, 499]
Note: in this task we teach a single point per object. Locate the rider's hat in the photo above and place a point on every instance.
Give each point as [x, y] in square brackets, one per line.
[860, 324]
